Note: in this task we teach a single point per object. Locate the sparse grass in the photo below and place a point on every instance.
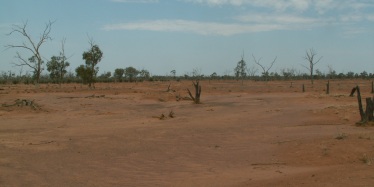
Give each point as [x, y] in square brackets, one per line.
[341, 136]
[366, 159]
[325, 150]
[365, 136]
[171, 114]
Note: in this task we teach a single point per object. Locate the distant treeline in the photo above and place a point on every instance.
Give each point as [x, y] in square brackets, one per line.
[143, 75]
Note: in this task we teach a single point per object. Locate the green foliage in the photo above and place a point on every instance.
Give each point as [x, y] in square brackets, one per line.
[144, 74]
[131, 73]
[213, 75]
[173, 73]
[92, 57]
[37, 69]
[85, 73]
[118, 74]
[240, 69]
[57, 68]
[105, 77]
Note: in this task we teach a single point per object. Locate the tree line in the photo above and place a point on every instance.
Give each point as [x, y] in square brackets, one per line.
[87, 73]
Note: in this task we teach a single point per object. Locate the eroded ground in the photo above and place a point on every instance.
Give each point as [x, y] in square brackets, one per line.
[255, 134]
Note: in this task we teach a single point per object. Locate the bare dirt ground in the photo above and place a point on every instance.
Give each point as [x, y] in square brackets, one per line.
[255, 134]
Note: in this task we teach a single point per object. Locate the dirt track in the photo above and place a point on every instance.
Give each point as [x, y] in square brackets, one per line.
[255, 134]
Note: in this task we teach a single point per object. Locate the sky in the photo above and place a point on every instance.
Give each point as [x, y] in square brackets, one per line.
[207, 35]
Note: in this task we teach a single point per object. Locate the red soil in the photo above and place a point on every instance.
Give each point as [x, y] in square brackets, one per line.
[255, 134]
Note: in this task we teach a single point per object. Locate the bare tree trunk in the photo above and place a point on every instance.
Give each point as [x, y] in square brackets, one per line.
[196, 99]
[303, 88]
[360, 108]
[369, 109]
[35, 61]
[362, 114]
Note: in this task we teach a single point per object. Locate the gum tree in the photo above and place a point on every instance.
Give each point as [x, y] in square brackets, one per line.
[33, 46]
[240, 69]
[92, 57]
[58, 64]
[118, 74]
[131, 73]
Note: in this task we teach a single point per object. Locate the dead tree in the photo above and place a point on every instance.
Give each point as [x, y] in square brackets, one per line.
[366, 116]
[35, 61]
[310, 58]
[196, 99]
[265, 70]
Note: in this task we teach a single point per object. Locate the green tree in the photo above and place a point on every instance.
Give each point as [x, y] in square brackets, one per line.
[144, 74]
[173, 73]
[118, 74]
[92, 57]
[84, 73]
[241, 68]
[350, 74]
[57, 65]
[364, 74]
[105, 77]
[131, 73]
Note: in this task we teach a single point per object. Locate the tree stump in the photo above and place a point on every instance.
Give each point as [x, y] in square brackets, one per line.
[303, 88]
[196, 99]
[369, 109]
[366, 116]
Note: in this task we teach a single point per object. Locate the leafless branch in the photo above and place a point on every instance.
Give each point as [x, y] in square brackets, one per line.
[271, 65]
[23, 62]
[310, 58]
[265, 69]
[90, 40]
[258, 62]
[30, 46]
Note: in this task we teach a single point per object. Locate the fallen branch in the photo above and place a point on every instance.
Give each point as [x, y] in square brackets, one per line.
[42, 142]
[163, 117]
[267, 164]
[23, 102]
[94, 96]
[170, 90]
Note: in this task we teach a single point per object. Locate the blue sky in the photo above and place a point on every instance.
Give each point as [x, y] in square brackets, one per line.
[210, 35]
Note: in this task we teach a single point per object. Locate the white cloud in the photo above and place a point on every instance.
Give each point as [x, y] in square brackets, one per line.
[279, 5]
[202, 28]
[351, 18]
[349, 32]
[275, 18]
[135, 1]
[288, 15]
[370, 17]
[321, 6]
